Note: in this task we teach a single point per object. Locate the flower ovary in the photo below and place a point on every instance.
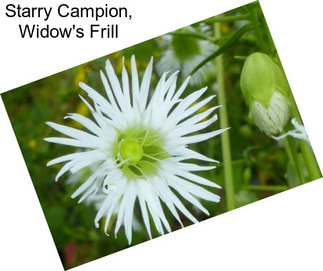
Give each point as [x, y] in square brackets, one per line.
[131, 150]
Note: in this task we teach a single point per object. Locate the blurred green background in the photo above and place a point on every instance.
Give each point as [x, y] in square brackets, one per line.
[260, 164]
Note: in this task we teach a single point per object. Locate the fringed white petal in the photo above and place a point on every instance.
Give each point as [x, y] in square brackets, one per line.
[128, 216]
[145, 84]
[87, 123]
[166, 196]
[143, 209]
[199, 138]
[181, 131]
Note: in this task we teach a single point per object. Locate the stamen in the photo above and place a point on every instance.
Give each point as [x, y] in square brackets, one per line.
[151, 157]
[122, 163]
[154, 141]
[140, 171]
[145, 138]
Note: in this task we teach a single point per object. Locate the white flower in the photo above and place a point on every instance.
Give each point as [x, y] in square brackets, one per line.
[299, 132]
[271, 119]
[140, 142]
[185, 53]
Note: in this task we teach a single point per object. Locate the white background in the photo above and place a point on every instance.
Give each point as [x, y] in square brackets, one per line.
[283, 232]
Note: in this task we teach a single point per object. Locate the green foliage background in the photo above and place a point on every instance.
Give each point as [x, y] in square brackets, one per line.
[260, 164]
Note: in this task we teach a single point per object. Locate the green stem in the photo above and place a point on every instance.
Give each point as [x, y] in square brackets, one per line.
[243, 58]
[275, 188]
[259, 32]
[192, 35]
[306, 149]
[293, 157]
[310, 161]
[220, 19]
[225, 139]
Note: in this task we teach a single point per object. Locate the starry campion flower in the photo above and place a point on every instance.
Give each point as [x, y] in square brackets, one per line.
[184, 53]
[138, 139]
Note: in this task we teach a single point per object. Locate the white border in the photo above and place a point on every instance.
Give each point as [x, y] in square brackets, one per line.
[283, 232]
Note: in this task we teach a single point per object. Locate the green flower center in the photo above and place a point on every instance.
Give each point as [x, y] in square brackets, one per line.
[131, 150]
[138, 152]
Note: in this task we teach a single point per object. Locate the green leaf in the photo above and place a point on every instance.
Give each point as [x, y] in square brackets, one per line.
[192, 34]
[234, 18]
[273, 188]
[228, 43]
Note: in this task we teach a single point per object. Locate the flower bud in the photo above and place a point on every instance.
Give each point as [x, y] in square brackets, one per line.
[266, 92]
